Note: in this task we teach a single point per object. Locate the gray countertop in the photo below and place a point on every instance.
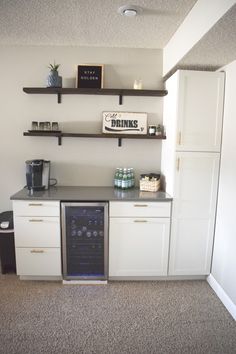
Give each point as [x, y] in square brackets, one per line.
[69, 193]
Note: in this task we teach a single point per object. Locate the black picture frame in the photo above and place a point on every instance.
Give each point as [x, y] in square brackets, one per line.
[90, 76]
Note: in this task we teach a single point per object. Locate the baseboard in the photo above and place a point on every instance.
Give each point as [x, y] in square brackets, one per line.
[46, 278]
[165, 278]
[227, 302]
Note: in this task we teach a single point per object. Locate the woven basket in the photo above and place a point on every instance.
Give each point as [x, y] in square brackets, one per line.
[149, 186]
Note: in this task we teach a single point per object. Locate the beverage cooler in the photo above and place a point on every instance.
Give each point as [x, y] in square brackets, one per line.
[84, 241]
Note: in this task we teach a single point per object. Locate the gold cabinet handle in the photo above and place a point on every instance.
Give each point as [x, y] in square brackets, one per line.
[179, 138]
[178, 163]
[140, 205]
[37, 251]
[35, 204]
[35, 220]
[138, 220]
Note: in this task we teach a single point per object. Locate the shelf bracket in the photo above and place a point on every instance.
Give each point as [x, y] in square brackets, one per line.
[120, 99]
[119, 142]
[59, 140]
[58, 97]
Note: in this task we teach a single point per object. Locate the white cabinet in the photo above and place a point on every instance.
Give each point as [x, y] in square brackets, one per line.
[193, 112]
[37, 238]
[193, 214]
[194, 107]
[138, 243]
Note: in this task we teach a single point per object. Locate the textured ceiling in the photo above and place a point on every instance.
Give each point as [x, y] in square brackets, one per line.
[216, 48]
[98, 23]
[90, 22]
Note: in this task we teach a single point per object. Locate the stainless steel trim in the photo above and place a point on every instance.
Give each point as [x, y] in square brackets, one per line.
[63, 235]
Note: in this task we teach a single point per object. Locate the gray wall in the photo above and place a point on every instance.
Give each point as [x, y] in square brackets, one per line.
[77, 161]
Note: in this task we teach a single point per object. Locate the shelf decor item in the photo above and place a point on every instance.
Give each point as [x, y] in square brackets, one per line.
[124, 123]
[90, 76]
[53, 79]
[138, 85]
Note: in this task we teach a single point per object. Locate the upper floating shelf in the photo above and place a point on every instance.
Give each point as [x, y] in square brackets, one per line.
[92, 91]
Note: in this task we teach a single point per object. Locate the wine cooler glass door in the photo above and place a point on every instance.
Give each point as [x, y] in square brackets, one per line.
[85, 240]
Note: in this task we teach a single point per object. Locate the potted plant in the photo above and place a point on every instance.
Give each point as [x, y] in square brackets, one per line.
[53, 79]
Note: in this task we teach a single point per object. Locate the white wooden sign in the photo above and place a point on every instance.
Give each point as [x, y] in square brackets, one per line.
[124, 123]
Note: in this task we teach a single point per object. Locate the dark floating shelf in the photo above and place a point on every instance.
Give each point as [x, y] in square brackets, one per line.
[60, 135]
[92, 91]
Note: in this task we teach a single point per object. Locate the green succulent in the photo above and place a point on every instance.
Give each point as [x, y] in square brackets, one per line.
[53, 67]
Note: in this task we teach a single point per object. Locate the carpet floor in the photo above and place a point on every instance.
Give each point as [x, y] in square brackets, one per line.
[121, 317]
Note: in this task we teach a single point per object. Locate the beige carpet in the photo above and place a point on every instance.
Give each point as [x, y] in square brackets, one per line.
[121, 317]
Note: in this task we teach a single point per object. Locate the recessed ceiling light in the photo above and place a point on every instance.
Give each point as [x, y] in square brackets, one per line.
[129, 10]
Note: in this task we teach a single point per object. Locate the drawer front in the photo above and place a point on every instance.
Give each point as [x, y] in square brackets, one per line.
[37, 231]
[38, 261]
[136, 209]
[36, 208]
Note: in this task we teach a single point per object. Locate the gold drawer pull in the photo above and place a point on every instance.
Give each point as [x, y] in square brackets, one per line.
[179, 138]
[140, 220]
[37, 251]
[178, 164]
[140, 205]
[35, 220]
[35, 204]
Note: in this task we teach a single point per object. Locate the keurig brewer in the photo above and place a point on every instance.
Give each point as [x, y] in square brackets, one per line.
[37, 174]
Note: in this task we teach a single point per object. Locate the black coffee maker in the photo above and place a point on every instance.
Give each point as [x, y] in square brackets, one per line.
[37, 174]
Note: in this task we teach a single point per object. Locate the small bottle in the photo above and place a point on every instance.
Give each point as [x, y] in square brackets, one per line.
[132, 177]
[116, 177]
[124, 183]
[120, 177]
[129, 178]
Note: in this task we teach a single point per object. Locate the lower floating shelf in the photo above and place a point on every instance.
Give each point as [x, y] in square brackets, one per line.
[60, 135]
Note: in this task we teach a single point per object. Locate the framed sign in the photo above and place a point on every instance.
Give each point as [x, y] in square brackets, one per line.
[90, 76]
[124, 123]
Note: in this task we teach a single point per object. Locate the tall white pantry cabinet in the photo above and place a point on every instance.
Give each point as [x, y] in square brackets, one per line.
[193, 113]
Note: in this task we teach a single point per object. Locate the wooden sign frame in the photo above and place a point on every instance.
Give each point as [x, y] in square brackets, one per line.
[90, 76]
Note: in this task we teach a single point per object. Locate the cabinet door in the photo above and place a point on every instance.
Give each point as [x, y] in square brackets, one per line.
[193, 215]
[199, 111]
[38, 261]
[138, 246]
